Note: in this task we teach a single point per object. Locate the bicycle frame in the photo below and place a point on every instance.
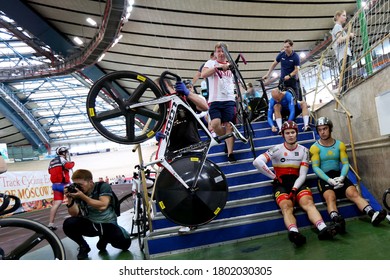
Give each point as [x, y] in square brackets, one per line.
[175, 102]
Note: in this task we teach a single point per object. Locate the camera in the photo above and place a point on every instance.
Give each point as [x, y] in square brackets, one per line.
[72, 187]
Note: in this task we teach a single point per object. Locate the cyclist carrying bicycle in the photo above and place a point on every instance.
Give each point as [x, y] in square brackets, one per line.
[185, 129]
[221, 97]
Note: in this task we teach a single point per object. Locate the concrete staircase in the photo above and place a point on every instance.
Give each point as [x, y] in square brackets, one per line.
[250, 211]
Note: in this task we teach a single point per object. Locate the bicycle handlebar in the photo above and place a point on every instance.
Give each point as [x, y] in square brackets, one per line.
[167, 75]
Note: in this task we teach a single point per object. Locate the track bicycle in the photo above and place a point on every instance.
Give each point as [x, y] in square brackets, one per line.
[242, 114]
[190, 189]
[34, 234]
[135, 202]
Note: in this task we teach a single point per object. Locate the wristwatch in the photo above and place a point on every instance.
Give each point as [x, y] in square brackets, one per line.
[290, 75]
[70, 205]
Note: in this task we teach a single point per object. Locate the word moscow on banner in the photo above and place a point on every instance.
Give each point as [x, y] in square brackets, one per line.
[32, 187]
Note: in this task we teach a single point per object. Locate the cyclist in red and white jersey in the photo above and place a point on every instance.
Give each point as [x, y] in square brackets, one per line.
[59, 176]
[290, 161]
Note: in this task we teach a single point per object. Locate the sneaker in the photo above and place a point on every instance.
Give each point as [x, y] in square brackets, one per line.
[327, 233]
[378, 217]
[53, 228]
[231, 158]
[101, 244]
[306, 128]
[83, 252]
[339, 224]
[297, 238]
[184, 230]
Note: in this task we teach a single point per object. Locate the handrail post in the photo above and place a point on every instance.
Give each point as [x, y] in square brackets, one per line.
[354, 159]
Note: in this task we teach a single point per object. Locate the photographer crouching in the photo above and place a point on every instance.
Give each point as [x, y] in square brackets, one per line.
[91, 208]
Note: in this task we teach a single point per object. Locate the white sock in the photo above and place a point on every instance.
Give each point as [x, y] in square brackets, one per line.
[306, 120]
[320, 225]
[293, 227]
[279, 123]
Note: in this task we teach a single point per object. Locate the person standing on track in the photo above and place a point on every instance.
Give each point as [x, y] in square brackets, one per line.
[59, 176]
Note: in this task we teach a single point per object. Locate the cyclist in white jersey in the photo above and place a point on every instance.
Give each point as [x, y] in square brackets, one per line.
[221, 97]
[291, 163]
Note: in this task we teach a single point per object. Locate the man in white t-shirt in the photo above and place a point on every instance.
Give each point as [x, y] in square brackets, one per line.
[221, 97]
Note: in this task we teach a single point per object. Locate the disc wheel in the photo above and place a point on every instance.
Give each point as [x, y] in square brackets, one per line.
[191, 208]
[108, 107]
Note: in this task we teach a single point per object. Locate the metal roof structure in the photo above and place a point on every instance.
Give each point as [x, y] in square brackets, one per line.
[45, 76]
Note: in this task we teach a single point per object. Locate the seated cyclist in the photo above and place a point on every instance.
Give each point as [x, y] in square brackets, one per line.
[291, 163]
[250, 94]
[283, 105]
[330, 163]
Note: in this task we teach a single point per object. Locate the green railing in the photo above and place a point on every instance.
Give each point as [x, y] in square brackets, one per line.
[328, 78]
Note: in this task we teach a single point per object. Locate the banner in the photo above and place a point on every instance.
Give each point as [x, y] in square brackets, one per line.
[4, 151]
[32, 187]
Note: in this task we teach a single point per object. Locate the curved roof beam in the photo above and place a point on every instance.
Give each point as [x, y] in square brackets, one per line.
[23, 119]
[113, 20]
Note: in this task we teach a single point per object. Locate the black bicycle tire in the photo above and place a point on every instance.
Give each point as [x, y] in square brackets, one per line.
[384, 200]
[127, 197]
[248, 134]
[6, 201]
[96, 117]
[45, 233]
[142, 224]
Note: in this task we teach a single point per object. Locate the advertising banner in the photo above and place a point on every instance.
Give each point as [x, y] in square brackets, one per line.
[32, 187]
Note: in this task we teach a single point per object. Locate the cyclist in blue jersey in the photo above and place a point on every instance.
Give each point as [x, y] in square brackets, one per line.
[283, 105]
[326, 156]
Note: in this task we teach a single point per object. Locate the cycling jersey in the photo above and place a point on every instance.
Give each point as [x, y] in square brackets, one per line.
[220, 89]
[288, 105]
[59, 170]
[325, 159]
[185, 129]
[287, 162]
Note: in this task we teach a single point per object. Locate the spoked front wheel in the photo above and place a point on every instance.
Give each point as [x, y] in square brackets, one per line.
[34, 236]
[191, 207]
[108, 107]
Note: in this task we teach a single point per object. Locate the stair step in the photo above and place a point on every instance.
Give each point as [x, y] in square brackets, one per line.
[250, 211]
[160, 242]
